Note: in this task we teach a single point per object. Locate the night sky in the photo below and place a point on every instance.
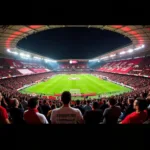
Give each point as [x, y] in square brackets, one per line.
[73, 43]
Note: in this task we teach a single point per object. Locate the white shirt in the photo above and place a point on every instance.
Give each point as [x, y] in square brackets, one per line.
[66, 115]
[41, 117]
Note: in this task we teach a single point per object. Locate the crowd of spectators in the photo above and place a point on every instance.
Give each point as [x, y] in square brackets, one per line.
[128, 108]
[19, 82]
[136, 82]
[8, 72]
[143, 68]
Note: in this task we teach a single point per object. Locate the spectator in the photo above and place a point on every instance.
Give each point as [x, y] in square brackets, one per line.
[45, 107]
[87, 107]
[3, 113]
[78, 106]
[148, 116]
[104, 105]
[24, 104]
[93, 116]
[140, 114]
[112, 113]
[16, 113]
[50, 111]
[66, 114]
[32, 116]
[129, 108]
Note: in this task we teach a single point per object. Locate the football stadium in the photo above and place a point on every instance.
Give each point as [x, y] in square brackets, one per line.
[74, 74]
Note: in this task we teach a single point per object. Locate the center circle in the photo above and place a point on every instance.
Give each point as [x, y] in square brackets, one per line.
[74, 78]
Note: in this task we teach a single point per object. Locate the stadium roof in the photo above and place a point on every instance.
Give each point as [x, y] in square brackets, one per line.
[10, 35]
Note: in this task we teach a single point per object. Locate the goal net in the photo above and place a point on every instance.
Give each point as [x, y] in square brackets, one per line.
[75, 92]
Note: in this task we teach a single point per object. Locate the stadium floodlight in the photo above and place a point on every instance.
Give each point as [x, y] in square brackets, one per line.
[38, 58]
[28, 56]
[130, 50]
[104, 57]
[16, 53]
[52, 60]
[123, 52]
[143, 46]
[112, 55]
[22, 54]
[25, 56]
[8, 50]
[93, 60]
[139, 47]
[47, 60]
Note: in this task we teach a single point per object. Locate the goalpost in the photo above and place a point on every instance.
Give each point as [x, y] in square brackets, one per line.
[75, 92]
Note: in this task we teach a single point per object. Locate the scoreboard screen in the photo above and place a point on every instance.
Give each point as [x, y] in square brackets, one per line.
[73, 62]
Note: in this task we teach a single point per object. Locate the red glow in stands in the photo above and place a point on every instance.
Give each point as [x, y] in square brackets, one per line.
[22, 68]
[133, 81]
[31, 65]
[18, 82]
[68, 66]
[8, 73]
[123, 66]
[39, 70]
[14, 63]
[25, 71]
[143, 68]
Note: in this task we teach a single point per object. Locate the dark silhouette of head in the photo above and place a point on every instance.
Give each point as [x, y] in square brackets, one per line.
[95, 105]
[112, 101]
[88, 102]
[15, 103]
[140, 104]
[77, 102]
[130, 101]
[53, 107]
[33, 102]
[44, 102]
[66, 97]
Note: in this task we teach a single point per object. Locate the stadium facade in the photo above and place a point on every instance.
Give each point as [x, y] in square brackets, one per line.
[127, 60]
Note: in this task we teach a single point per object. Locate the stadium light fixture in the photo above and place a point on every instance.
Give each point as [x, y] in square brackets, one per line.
[22, 54]
[139, 47]
[25, 56]
[130, 50]
[46, 60]
[53, 61]
[104, 57]
[123, 52]
[37, 58]
[8, 50]
[93, 60]
[113, 55]
[16, 53]
[28, 56]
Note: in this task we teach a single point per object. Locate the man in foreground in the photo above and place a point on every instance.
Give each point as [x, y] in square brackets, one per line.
[139, 116]
[129, 109]
[16, 113]
[66, 114]
[112, 113]
[94, 116]
[3, 113]
[32, 116]
[78, 106]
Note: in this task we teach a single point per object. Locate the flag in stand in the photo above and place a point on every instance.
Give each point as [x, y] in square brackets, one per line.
[52, 98]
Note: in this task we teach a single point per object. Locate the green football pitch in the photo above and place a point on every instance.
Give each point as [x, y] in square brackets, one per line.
[79, 83]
